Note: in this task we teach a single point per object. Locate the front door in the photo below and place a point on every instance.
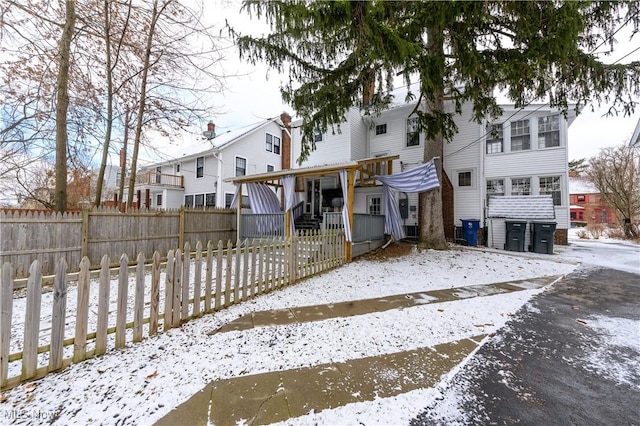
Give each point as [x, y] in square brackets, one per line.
[313, 204]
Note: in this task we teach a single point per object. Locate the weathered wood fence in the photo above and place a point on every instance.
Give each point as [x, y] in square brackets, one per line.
[44, 331]
[45, 236]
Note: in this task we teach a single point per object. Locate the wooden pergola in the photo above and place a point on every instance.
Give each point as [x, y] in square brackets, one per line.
[359, 173]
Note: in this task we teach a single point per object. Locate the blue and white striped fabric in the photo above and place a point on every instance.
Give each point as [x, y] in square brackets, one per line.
[419, 179]
[289, 187]
[262, 199]
[345, 210]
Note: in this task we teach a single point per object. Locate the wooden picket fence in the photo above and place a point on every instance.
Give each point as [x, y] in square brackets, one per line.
[150, 297]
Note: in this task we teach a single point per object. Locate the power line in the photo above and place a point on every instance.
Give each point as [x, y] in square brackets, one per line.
[507, 120]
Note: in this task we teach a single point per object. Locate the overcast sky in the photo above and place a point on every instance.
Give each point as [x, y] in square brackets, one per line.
[254, 94]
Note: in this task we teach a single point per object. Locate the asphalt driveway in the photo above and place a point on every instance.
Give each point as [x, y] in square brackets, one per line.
[570, 357]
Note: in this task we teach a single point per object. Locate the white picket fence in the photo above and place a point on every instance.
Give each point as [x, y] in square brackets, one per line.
[83, 314]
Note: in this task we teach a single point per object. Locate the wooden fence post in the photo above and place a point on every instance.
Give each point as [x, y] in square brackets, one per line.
[84, 251]
[58, 315]
[181, 228]
[138, 310]
[155, 294]
[32, 321]
[197, 280]
[6, 312]
[208, 278]
[177, 289]
[168, 291]
[82, 312]
[121, 309]
[227, 286]
[186, 268]
[103, 305]
[218, 295]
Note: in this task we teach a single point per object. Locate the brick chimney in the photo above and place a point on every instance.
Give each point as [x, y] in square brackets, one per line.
[211, 131]
[286, 141]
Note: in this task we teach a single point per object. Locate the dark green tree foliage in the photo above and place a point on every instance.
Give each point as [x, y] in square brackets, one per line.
[458, 52]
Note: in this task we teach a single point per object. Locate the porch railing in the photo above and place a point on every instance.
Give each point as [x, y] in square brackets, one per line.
[366, 227]
[262, 225]
[155, 178]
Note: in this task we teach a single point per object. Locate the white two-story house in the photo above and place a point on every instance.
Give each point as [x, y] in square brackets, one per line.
[524, 152]
[194, 175]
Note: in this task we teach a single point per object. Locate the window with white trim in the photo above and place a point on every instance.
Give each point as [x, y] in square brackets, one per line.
[375, 204]
[494, 187]
[199, 200]
[464, 179]
[176, 168]
[495, 138]
[317, 136]
[188, 200]
[381, 129]
[199, 167]
[276, 145]
[520, 135]
[521, 186]
[241, 166]
[413, 136]
[269, 141]
[158, 200]
[270, 168]
[210, 199]
[548, 131]
[228, 198]
[551, 185]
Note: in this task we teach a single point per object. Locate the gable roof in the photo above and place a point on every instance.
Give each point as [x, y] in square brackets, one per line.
[207, 146]
[635, 138]
[579, 185]
[532, 207]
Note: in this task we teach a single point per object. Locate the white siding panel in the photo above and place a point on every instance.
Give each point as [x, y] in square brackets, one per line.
[358, 129]
[334, 148]
[464, 154]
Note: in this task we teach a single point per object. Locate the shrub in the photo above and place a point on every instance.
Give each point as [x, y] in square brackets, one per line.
[596, 230]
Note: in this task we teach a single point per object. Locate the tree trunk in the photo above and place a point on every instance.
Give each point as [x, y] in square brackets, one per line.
[430, 221]
[62, 106]
[123, 159]
[107, 136]
[141, 107]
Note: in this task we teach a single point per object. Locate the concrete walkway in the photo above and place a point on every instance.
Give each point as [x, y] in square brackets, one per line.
[276, 396]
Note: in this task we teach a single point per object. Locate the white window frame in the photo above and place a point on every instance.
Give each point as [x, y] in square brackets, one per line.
[159, 200]
[374, 204]
[236, 166]
[522, 134]
[557, 190]
[273, 168]
[200, 170]
[411, 132]
[495, 143]
[380, 129]
[268, 142]
[494, 189]
[471, 179]
[317, 136]
[521, 182]
[549, 125]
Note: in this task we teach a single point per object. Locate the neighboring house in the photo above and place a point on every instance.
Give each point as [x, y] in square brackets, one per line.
[524, 152]
[587, 206]
[195, 175]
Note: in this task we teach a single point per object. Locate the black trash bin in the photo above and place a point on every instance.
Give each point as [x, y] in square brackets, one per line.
[470, 228]
[515, 235]
[542, 236]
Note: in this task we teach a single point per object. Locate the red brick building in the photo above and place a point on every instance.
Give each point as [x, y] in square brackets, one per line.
[587, 206]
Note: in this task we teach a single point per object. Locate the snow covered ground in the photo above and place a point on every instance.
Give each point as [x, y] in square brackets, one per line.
[143, 382]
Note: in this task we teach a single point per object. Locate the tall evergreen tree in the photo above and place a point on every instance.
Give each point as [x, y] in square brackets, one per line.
[458, 52]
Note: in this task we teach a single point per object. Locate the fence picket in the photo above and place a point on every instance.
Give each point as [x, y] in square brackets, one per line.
[177, 290]
[218, 295]
[252, 279]
[186, 275]
[103, 306]
[82, 311]
[197, 281]
[227, 283]
[138, 309]
[236, 275]
[245, 271]
[121, 305]
[6, 312]
[32, 321]
[155, 294]
[208, 278]
[261, 268]
[58, 315]
[168, 291]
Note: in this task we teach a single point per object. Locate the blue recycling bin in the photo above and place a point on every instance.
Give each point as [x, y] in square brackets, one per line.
[470, 228]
